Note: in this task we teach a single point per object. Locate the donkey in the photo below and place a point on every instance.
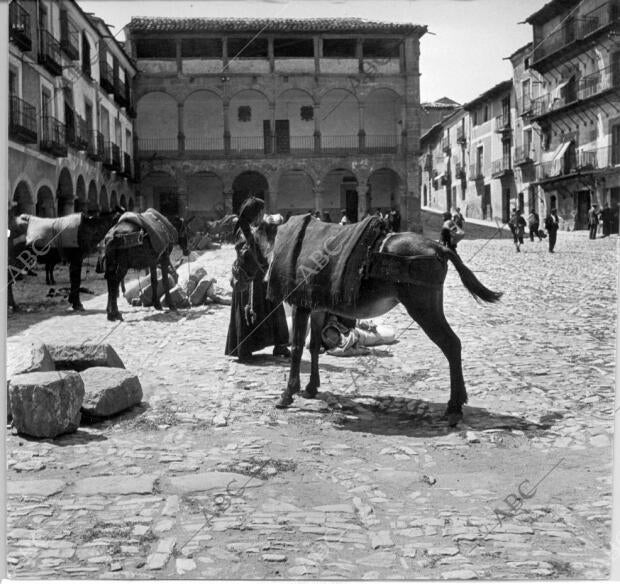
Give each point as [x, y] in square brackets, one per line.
[409, 269]
[128, 246]
[90, 232]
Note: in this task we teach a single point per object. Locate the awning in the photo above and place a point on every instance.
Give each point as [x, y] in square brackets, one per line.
[557, 92]
[559, 158]
[439, 177]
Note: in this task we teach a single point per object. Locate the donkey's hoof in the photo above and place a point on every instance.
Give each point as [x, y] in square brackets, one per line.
[115, 316]
[309, 393]
[453, 417]
[79, 307]
[157, 307]
[284, 402]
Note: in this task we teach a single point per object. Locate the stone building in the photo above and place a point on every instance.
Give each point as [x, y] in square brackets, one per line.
[70, 105]
[576, 51]
[309, 114]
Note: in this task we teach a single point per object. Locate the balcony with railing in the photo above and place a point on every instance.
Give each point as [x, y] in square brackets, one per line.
[524, 155]
[475, 172]
[460, 135]
[598, 158]
[112, 157]
[69, 37]
[95, 150]
[49, 53]
[77, 134]
[19, 26]
[53, 137]
[549, 102]
[502, 124]
[127, 170]
[501, 167]
[598, 82]
[106, 76]
[573, 31]
[121, 92]
[22, 121]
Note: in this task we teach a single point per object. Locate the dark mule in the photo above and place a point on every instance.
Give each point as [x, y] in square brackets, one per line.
[90, 232]
[380, 291]
[127, 248]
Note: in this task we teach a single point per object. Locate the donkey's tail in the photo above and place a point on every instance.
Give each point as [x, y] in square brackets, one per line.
[478, 290]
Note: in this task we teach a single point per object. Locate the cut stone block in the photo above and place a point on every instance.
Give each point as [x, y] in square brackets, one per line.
[46, 404]
[81, 357]
[178, 296]
[109, 391]
[28, 358]
[199, 295]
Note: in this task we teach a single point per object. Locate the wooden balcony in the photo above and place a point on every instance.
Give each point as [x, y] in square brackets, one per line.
[20, 32]
[53, 137]
[49, 53]
[22, 121]
[69, 37]
[106, 77]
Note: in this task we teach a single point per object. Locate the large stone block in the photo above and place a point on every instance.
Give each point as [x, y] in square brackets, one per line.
[109, 391]
[199, 295]
[81, 357]
[178, 296]
[46, 404]
[28, 358]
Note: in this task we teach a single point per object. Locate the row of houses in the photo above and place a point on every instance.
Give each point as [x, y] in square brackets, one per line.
[549, 137]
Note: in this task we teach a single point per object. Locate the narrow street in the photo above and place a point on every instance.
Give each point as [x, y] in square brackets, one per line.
[368, 482]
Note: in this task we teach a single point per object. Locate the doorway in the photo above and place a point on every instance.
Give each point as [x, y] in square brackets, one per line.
[169, 204]
[283, 137]
[350, 194]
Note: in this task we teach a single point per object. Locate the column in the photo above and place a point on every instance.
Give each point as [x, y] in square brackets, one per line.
[317, 127]
[271, 204]
[226, 127]
[227, 198]
[361, 135]
[179, 59]
[181, 134]
[318, 198]
[181, 180]
[272, 130]
[362, 201]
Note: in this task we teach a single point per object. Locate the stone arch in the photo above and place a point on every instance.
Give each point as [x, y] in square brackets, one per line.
[205, 196]
[295, 188]
[22, 198]
[157, 124]
[203, 121]
[383, 189]
[65, 193]
[383, 120]
[339, 191]
[45, 202]
[246, 126]
[80, 203]
[296, 107]
[246, 184]
[340, 121]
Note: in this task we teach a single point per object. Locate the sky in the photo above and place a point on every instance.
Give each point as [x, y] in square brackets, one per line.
[462, 58]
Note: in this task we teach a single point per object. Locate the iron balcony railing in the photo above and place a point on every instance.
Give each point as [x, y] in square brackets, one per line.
[121, 92]
[49, 53]
[69, 37]
[578, 29]
[339, 144]
[475, 172]
[106, 76]
[127, 169]
[95, 149]
[524, 155]
[554, 101]
[77, 133]
[112, 157]
[19, 26]
[53, 137]
[502, 123]
[598, 158]
[598, 82]
[501, 167]
[22, 120]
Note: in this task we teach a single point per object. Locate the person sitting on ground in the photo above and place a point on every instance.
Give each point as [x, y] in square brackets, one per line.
[347, 338]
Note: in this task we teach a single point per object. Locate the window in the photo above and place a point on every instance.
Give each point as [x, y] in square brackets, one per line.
[527, 141]
[128, 141]
[307, 113]
[13, 82]
[526, 95]
[244, 113]
[479, 160]
[474, 117]
[46, 100]
[156, 49]
[247, 48]
[201, 48]
[293, 48]
[381, 48]
[86, 64]
[486, 113]
[339, 48]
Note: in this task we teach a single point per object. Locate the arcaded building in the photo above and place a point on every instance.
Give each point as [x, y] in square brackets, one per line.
[309, 114]
[70, 111]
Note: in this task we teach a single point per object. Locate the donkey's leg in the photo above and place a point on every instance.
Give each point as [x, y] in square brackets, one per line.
[165, 269]
[426, 308]
[75, 276]
[300, 325]
[115, 270]
[317, 320]
[154, 292]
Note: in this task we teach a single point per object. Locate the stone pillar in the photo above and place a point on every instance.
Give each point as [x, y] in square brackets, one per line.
[181, 180]
[179, 59]
[226, 127]
[362, 200]
[410, 203]
[181, 134]
[361, 134]
[227, 199]
[272, 129]
[318, 198]
[271, 204]
[317, 127]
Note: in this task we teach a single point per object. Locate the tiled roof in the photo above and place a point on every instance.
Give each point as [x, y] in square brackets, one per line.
[139, 24]
[490, 93]
[550, 10]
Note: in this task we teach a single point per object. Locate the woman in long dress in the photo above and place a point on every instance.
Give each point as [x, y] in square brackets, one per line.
[255, 321]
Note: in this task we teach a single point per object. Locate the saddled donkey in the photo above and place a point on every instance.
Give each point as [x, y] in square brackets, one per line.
[357, 271]
[71, 237]
[141, 240]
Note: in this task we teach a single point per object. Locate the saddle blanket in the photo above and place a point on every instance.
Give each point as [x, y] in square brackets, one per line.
[317, 264]
[61, 232]
[161, 232]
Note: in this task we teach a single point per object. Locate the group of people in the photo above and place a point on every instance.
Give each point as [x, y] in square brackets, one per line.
[517, 224]
[604, 217]
[452, 229]
[391, 218]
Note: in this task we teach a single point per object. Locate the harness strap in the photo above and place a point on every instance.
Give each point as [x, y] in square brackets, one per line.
[423, 270]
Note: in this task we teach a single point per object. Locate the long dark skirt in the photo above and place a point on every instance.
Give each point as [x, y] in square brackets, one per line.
[243, 339]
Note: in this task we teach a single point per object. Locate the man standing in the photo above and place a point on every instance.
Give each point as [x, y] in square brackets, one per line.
[517, 225]
[458, 218]
[593, 220]
[552, 224]
[606, 215]
[533, 222]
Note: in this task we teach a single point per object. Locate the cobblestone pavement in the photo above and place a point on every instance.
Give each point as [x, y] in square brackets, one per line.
[368, 482]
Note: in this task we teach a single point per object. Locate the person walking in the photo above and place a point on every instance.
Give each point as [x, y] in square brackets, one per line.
[593, 220]
[518, 224]
[552, 224]
[533, 222]
[255, 321]
[606, 215]
[458, 218]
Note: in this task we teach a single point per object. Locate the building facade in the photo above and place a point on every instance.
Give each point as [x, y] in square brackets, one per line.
[70, 111]
[311, 115]
[576, 53]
